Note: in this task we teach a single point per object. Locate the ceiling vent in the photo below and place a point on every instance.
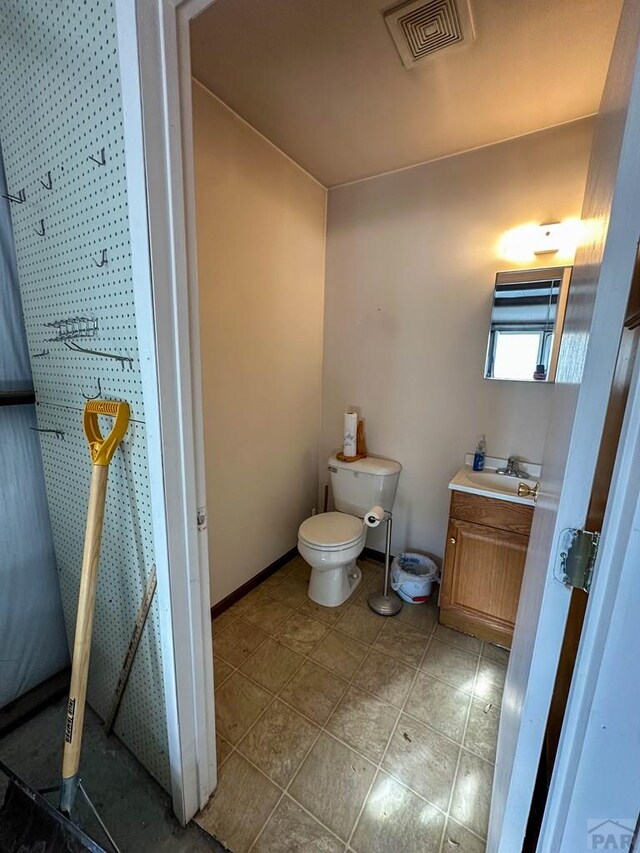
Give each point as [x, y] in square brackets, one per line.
[419, 29]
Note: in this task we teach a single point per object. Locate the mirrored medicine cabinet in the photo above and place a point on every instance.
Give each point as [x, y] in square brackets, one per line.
[527, 319]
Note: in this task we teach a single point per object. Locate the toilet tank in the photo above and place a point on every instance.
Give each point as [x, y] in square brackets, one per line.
[357, 486]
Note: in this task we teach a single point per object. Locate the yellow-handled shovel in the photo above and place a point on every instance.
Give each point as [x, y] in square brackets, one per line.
[101, 450]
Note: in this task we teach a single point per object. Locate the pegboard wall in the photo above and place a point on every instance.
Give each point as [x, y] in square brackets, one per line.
[62, 140]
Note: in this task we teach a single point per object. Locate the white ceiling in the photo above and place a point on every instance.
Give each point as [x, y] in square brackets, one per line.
[323, 81]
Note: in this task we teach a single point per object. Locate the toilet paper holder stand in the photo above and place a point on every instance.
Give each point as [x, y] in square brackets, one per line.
[381, 602]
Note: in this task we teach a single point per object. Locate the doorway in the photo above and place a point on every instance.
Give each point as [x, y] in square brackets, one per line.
[178, 24]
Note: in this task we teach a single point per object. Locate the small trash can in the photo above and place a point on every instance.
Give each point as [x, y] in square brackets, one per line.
[412, 577]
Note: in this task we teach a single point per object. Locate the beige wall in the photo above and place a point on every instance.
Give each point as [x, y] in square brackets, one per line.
[411, 262]
[261, 232]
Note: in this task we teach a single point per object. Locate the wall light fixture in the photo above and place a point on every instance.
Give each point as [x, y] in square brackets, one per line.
[526, 242]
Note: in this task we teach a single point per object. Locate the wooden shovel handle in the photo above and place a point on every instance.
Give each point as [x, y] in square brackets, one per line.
[84, 622]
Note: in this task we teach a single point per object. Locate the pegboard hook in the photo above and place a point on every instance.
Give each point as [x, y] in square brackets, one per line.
[57, 432]
[48, 184]
[103, 259]
[40, 232]
[16, 199]
[123, 359]
[74, 327]
[95, 396]
[102, 161]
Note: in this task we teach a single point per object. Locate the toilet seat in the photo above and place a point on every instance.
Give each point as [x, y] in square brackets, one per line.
[331, 531]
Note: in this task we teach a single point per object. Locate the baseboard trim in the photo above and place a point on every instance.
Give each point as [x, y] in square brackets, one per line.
[371, 554]
[252, 583]
[22, 709]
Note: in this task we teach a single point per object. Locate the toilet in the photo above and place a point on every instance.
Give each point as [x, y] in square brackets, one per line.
[332, 541]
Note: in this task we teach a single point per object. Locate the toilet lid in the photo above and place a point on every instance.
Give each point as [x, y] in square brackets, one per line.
[331, 530]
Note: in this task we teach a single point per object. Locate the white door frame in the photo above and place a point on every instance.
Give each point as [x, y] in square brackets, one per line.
[155, 69]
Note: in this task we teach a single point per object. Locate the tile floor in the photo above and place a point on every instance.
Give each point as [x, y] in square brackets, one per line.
[340, 730]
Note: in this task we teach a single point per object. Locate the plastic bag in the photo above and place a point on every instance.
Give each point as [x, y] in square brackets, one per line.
[412, 577]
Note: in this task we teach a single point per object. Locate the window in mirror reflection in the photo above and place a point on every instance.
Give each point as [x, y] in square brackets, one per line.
[526, 324]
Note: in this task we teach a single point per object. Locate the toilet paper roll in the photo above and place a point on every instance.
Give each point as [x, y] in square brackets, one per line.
[375, 515]
[349, 445]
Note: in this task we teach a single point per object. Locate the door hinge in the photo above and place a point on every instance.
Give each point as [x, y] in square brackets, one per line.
[577, 556]
[201, 517]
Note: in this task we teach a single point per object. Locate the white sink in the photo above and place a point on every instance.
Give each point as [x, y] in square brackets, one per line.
[491, 485]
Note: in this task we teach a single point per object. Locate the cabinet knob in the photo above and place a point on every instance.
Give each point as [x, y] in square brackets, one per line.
[452, 541]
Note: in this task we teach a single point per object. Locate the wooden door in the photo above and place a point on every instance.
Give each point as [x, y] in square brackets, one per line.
[482, 579]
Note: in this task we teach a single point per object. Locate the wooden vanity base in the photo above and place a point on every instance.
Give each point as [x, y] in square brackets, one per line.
[487, 542]
[475, 628]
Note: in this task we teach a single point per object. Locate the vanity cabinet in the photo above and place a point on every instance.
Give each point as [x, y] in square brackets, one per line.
[484, 561]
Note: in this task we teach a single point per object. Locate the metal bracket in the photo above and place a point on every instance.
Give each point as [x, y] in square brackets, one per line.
[123, 359]
[73, 327]
[16, 199]
[57, 432]
[103, 259]
[577, 552]
[101, 160]
[95, 396]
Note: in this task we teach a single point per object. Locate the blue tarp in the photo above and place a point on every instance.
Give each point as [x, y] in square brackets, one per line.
[33, 642]
[15, 370]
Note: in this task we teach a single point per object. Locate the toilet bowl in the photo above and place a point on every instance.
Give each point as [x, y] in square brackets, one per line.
[330, 543]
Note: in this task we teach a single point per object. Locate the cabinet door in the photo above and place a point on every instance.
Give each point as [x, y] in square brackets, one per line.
[482, 577]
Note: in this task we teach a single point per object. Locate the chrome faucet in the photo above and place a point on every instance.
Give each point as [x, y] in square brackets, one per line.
[512, 469]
